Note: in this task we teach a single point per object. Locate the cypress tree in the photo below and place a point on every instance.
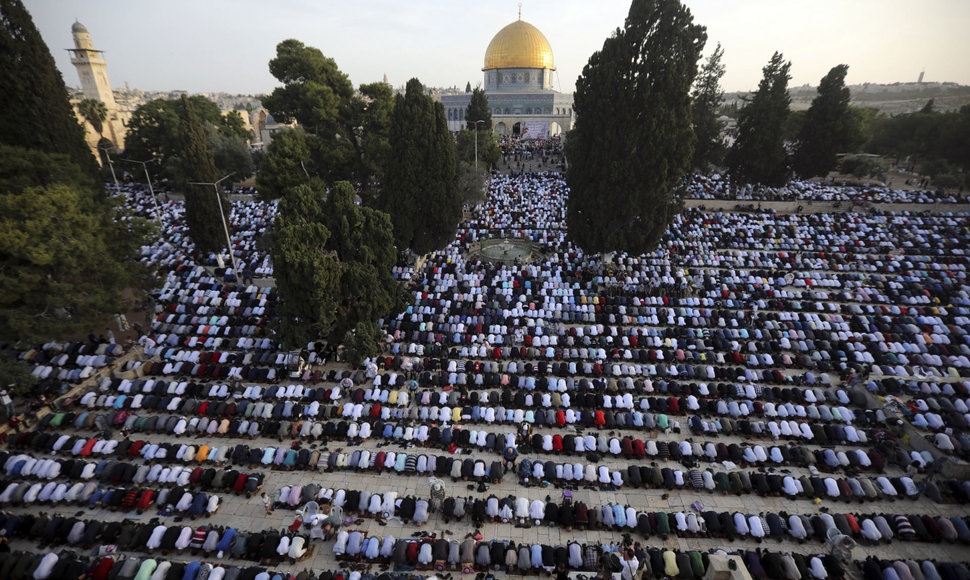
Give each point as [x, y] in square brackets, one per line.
[197, 165]
[478, 110]
[706, 99]
[758, 154]
[488, 150]
[632, 142]
[443, 198]
[421, 191]
[830, 127]
[332, 261]
[38, 113]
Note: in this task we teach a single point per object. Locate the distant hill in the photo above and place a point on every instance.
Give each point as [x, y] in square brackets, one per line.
[890, 99]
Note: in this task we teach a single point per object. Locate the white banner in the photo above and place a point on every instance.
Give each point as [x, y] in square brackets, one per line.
[533, 130]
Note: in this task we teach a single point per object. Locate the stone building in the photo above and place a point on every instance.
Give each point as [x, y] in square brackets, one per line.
[519, 78]
[92, 70]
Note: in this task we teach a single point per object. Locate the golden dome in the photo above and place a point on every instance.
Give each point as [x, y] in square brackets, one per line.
[519, 45]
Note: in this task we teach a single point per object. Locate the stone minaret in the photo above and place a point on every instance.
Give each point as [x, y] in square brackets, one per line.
[90, 67]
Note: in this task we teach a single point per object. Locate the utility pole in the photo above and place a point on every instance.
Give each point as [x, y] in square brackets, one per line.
[225, 225]
[144, 164]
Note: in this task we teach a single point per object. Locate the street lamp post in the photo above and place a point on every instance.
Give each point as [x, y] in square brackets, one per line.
[112, 166]
[144, 164]
[476, 143]
[225, 226]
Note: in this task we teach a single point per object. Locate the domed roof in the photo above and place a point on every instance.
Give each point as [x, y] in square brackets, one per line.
[519, 45]
[77, 28]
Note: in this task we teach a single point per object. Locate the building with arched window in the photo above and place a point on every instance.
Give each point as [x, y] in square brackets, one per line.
[519, 69]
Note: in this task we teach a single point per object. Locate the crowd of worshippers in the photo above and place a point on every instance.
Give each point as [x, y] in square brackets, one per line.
[515, 149]
[548, 191]
[721, 187]
[206, 547]
[299, 413]
[688, 340]
[697, 522]
[296, 456]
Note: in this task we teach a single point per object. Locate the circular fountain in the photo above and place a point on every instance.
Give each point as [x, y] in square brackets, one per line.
[506, 249]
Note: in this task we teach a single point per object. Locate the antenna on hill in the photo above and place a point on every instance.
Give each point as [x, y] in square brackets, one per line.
[920, 80]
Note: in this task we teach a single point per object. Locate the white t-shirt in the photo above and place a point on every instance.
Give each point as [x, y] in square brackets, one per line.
[5, 397]
[630, 568]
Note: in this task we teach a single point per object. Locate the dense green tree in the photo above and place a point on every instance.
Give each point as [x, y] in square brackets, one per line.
[332, 262]
[307, 272]
[632, 142]
[346, 129]
[21, 169]
[153, 136]
[229, 153]
[758, 154]
[314, 90]
[66, 255]
[421, 192]
[67, 252]
[830, 127]
[488, 149]
[94, 112]
[468, 87]
[938, 143]
[17, 374]
[195, 164]
[372, 108]
[284, 164]
[471, 182]
[362, 342]
[954, 144]
[37, 113]
[232, 125]
[705, 102]
[478, 110]
[793, 125]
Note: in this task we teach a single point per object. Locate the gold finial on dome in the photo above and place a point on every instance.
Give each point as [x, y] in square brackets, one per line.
[520, 11]
[519, 45]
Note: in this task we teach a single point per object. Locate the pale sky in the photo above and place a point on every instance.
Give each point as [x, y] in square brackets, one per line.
[223, 45]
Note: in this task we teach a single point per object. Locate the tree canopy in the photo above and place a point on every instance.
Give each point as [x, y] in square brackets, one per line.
[758, 154]
[65, 256]
[488, 149]
[66, 250]
[632, 142]
[196, 164]
[38, 114]
[421, 192]
[284, 164]
[489, 152]
[706, 101]
[346, 129]
[478, 110]
[94, 112]
[938, 142]
[829, 127]
[332, 262]
[153, 136]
